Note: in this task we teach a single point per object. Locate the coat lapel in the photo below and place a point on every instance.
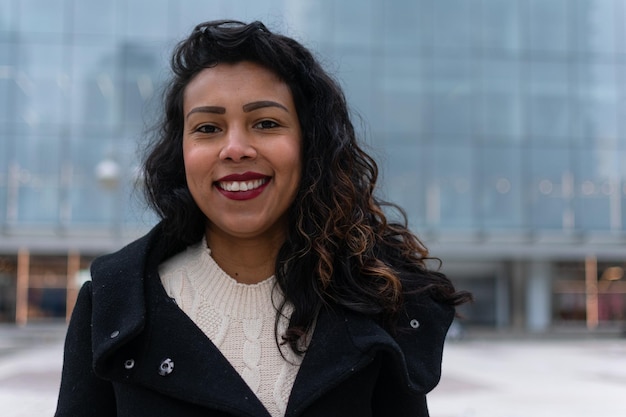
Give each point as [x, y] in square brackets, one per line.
[200, 373]
[135, 322]
[333, 356]
[118, 299]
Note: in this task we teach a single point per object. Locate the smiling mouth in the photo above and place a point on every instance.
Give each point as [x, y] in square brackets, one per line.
[234, 186]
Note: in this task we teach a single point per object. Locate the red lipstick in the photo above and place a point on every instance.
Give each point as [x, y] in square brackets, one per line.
[240, 195]
[246, 176]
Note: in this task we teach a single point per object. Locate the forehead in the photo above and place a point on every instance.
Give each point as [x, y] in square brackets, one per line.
[241, 77]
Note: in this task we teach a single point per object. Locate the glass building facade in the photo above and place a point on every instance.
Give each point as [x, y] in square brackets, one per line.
[499, 127]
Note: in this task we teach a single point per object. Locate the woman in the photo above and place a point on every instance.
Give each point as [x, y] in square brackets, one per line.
[273, 285]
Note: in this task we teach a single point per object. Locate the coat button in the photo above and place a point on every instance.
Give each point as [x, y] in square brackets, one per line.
[115, 334]
[129, 364]
[414, 324]
[166, 367]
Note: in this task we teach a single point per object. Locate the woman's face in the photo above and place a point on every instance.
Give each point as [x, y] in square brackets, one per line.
[241, 149]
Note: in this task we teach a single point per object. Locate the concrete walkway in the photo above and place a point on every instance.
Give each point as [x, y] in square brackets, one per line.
[532, 378]
[30, 369]
[481, 378]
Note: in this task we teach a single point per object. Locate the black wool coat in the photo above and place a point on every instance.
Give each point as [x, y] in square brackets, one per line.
[130, 351]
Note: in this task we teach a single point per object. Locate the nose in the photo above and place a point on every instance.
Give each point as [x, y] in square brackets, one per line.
[237, 146]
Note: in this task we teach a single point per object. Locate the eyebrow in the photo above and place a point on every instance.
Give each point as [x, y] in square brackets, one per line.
[255, 105]
[207, 109]
[247, 108]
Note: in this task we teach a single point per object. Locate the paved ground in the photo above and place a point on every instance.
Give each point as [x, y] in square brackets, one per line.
[30, 368]
[495, 377]
[532, 378]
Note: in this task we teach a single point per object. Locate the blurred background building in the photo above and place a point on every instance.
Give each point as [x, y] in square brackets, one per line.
[499, 125]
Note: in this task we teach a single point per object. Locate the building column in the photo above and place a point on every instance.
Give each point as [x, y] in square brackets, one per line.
[503, 299]
[517, 295]
[73, 266]
[539, 296]
[21, 296]
[591, 291]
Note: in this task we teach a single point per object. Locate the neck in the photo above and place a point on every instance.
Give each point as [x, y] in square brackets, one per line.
[248, 261]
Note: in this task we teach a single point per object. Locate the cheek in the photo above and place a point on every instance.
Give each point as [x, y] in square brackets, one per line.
[187, 155]
[293, 155]
[296, 173]
[196, 164]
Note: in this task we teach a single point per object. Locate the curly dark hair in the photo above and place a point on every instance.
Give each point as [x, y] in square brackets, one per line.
[340, 248]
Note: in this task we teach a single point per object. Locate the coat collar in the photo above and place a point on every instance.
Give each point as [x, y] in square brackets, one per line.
[133, 319]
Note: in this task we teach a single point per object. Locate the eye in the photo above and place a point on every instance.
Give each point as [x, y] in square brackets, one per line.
[208, 129]
[266, 124]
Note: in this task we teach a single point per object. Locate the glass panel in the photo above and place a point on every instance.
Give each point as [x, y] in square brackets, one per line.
[354, 25]
[265, 11]
[598, 189]
[499, 114]
[500, 25]
[452, 28]
[597, 105]
[499, 117]
[622, 203]
[94, 17]
[95, 86]
[408, 27]
[7, 56]
[502, 187]
[8, 94]
[7, 83]
[358, 83]
[619, 204]
[270, 12]
[94, 190]
[548, 23]
[551, 189]
[620, 71]
[13, 82]
[452, 97]
[44, 84]
[4, 175]
[37, 180]
[143, 69]
[7, 17]
[595, 26]
[42, 16]
[404, 99]
[145, 19]
[450, 188]
[191, 12]
[619, 27]
[548, 101]
[308, 21]
[404, 181]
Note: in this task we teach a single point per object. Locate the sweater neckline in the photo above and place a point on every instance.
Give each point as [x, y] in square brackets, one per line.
[236, 299]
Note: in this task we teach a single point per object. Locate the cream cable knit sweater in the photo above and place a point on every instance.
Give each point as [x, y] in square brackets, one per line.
[239, 320]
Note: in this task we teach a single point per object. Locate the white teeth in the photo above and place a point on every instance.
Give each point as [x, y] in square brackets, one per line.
[241, 185]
